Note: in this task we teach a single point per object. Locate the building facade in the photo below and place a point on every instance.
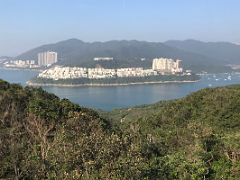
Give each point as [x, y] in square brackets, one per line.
[103, 59]
[165, 65]
[47, 58]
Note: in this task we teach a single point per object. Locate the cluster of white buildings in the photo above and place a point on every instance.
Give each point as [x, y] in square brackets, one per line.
[59, 72]
[103, 59]
[47, 58]
[99, 73]
[165, 65]
[159, 66]
[20, 64]
[135, 72]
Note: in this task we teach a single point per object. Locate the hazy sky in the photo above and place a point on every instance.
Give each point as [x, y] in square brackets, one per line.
[25, 24]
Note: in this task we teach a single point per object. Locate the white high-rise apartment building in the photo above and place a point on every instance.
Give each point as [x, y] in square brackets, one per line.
[165, 65]
[47, 58]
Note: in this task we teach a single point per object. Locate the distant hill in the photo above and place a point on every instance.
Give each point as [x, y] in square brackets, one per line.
[125, 53]
[223, 52]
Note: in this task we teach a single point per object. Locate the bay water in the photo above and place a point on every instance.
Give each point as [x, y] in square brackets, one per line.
[108, 98]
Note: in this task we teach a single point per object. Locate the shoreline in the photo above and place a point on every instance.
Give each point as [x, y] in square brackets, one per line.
[28, 83]
[19, 69]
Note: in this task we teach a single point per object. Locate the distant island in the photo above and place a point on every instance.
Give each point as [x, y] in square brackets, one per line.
[163, 71]
[114, 81]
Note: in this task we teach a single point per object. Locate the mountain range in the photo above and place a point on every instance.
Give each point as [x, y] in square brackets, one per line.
[196, 55]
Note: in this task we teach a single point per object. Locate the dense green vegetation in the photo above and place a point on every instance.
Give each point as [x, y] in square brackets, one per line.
[44, 137]
[200, 132]
[124, 80]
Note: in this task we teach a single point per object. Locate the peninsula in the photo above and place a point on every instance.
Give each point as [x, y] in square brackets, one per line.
[163, 71]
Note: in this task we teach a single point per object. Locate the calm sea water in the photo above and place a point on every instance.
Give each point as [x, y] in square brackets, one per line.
[108, 98]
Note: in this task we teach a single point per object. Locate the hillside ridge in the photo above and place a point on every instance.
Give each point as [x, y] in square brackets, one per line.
[44, 137]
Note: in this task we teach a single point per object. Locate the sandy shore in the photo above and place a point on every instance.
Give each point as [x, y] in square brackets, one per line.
[105, 85]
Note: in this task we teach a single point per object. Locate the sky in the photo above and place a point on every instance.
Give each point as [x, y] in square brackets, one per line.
[25, 24]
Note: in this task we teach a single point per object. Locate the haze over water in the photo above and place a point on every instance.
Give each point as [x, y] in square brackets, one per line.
[108, 98]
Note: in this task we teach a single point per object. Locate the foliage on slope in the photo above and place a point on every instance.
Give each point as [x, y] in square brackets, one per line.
[43, 137]
[200, 132]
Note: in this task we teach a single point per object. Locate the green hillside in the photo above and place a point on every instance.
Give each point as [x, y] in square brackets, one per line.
[200, 133]
[74, 52]
[44, 137]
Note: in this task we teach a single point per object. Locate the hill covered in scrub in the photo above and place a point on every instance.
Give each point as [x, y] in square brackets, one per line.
[200, 132]
[42, 136]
